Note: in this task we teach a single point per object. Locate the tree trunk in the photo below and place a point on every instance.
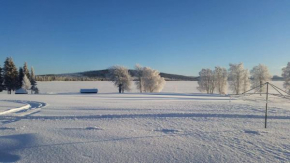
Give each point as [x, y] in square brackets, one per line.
[141, 88]
[260, 88]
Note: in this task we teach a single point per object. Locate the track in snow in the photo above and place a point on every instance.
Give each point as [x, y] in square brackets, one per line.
[29, 108]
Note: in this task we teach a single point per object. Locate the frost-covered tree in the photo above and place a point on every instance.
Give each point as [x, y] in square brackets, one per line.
[260, 74]
[221, 78]
[36, 90]
[26, 70]
[26, 83]
[33, 81]
[1, 79]
[246, 80]
[152, 81]
[121, 77]
[206, 82]
[286, 76]
[20, 78]
[32, 76]
[10, 75]
[236, 77]
[139, 75]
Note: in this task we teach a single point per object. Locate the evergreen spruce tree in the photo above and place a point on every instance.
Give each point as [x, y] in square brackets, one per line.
[26, 83]
[33, 81]
[20, 77]
[26, 70]
[10, 75]
[1, 79]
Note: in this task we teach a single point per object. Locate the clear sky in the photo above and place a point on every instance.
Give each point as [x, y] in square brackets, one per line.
[173, 36]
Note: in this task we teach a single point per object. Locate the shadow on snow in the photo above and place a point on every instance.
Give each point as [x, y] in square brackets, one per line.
[162, 115]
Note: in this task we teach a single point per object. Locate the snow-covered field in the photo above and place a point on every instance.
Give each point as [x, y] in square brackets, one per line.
[107, 87]
[177, 125]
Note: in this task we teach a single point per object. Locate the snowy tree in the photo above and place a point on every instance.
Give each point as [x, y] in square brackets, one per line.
[26, 83]
[20, 78]
[36, 90]
[1, 79]
[32, 77]
[33, 81]
[10, 75]
[260, 74]
[26, 70]
[206, 82]
[152, 81]
[121, 77]
[139, 74]
[286, 76]
[246, 80]
[236, 77]
[221, 77]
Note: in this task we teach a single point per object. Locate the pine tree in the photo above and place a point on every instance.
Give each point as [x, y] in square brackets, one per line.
[26, 71]
[36, 90]
[10, 75]
[26, 83]
[20, 77]
[1, 79]
[33, 81]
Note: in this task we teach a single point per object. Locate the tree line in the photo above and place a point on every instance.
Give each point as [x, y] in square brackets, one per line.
[65, 78]
[12, 79]
[238, 78]
[148, 80]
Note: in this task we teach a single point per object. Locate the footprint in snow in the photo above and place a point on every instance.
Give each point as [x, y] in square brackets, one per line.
[252, 132]
[167, 131]
[92, 128]
[85, 128]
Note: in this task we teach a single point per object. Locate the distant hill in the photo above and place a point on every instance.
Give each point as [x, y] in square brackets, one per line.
[103, 75]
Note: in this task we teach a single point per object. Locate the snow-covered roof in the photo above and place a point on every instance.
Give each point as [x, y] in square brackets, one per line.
[21, 91]
[89, 90]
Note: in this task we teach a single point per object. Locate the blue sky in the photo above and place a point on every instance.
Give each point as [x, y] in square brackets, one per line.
[174, 36]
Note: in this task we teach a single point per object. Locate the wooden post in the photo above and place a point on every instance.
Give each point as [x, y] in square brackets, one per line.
[266, 105]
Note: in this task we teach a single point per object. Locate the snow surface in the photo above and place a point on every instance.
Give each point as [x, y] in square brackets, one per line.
[177, 125]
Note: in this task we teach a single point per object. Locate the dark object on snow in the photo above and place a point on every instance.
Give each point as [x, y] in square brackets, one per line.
[89, 90]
